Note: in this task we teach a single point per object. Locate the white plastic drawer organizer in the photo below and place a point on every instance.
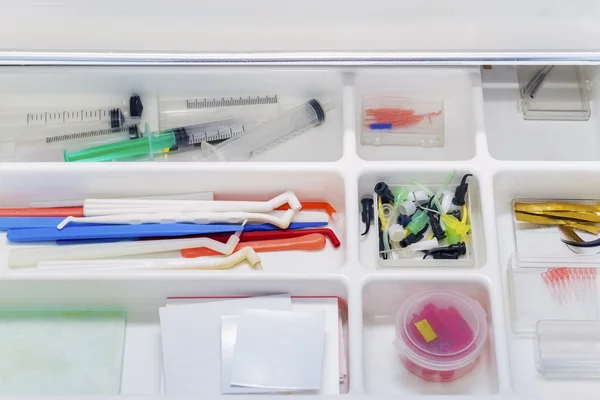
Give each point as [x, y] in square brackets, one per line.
[484, 134]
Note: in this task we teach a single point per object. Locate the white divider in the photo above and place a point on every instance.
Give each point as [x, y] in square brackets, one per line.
[341, 171]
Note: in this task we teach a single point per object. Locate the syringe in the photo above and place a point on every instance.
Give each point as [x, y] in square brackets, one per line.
[200, 103]
[50, 148]
[110, 117]
[161, 141]
[271, 133]
[195, 110]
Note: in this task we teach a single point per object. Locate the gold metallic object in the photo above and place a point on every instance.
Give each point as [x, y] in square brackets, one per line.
[544, 220]
[556, 207]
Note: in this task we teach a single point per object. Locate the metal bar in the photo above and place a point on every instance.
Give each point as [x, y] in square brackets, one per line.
[299, 58]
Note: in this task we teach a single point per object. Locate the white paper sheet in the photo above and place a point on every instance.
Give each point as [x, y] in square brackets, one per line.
[191, 341]
[228, 339]
[330, 384]
[279, 349]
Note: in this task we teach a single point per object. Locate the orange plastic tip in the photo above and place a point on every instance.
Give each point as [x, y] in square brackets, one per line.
[314, 241]
[314, 205]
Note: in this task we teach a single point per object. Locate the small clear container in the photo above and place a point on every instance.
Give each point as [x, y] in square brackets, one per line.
[567, 349]
[265, 136]
[541, 244]
[559, 93]
[416, 258]
[402, 121]
[440, 334]
[550, 291]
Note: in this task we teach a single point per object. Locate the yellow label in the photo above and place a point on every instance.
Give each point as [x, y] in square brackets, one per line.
[425, 330]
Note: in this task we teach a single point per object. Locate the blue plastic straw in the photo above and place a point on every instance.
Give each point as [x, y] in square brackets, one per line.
[137, 231]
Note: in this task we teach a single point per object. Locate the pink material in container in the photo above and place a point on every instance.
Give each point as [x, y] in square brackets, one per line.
[440, 334]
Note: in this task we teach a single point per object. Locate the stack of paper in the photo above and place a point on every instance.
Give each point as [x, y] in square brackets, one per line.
[267, 344]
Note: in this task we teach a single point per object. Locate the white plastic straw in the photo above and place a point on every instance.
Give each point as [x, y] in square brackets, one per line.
[208, 196]
[31, 256]
[101, 207]
[179, 217]
[201, 263]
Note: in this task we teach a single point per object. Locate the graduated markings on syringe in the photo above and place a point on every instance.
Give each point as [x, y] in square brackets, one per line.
[49, 117]
[195, 104]
[226, 134]
[85, 135]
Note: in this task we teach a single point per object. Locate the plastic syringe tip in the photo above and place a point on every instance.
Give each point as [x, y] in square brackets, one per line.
[328, 106]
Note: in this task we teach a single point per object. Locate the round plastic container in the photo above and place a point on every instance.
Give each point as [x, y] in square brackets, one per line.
[440, 334]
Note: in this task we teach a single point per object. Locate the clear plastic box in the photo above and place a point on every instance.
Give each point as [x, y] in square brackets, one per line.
[440, 334]
[465, 261]
[536, 293]
[561, 94]
[542, 243]
[567, 350]
[402, 121]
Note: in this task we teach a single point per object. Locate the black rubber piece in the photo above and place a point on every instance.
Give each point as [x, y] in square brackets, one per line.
[367, 214]
[384, 192]
[314, 103]
[117, 119]
[451, 255]
[436, 227]
[134, 132]
[461, 191]
[451, 252]
[182, 138]
[412, 238]
[404, 220]
[136, 108]
[457, 214]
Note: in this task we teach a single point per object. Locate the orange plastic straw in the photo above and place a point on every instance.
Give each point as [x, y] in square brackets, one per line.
[314, 205]
[314, 241]
[42, 212]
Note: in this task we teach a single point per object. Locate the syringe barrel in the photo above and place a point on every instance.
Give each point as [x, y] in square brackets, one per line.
[103, 117]
[145, 146]
[50, 147]
[277, 130]
[216, 131]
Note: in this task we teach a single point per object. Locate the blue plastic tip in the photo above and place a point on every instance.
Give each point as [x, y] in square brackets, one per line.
[380, 127]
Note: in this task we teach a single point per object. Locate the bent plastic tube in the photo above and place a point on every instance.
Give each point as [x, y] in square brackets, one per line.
[316, 205]
[248, 235]
[201, 218]
[314, 241]
[31, 256]
[100, 207]
[222, 263]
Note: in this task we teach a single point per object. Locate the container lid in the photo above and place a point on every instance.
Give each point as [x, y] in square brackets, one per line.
[441, 329]
[151, 31]
[567, 348]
